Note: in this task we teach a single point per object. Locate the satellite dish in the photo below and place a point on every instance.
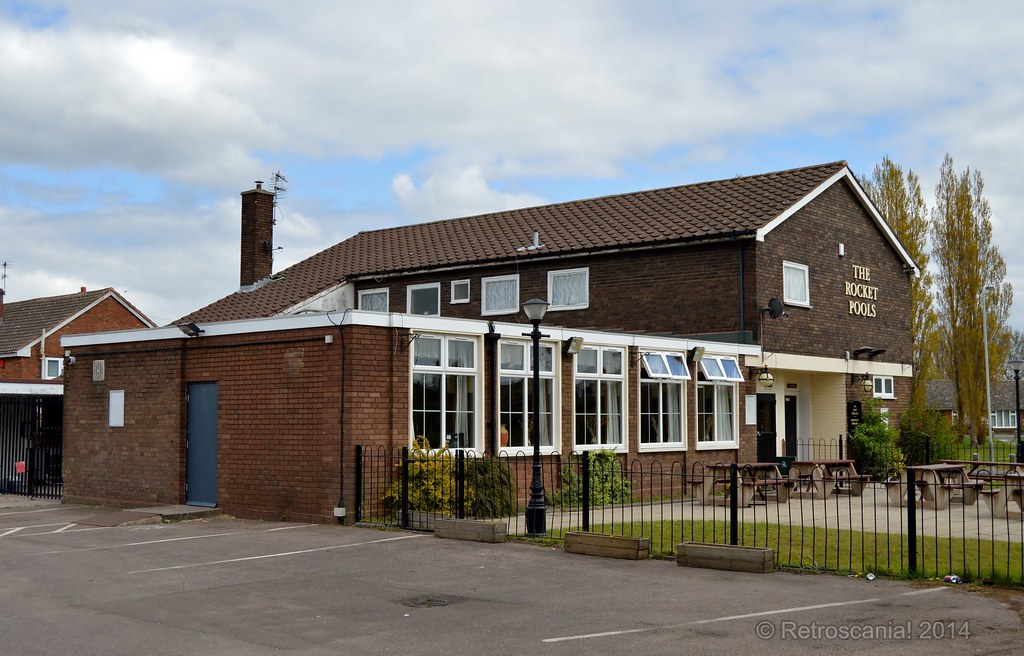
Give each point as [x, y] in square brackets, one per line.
[776, 308]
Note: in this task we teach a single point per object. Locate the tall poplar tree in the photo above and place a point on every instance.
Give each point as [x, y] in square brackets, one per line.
[897, 195]
[966, 262]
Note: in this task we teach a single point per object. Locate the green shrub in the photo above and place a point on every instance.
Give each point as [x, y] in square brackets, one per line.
[489, 487]
[874, 444]
[607, 483]
[921, 425]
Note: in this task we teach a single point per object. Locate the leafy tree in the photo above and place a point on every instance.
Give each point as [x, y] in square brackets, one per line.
[1016, 352]
[966, 262]
[897, 195]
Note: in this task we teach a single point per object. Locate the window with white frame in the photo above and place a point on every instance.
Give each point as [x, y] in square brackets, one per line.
[884, 387]
[444, 391]
[1004, 419]
[460, 291]
[569, 289]
[499, 295]
[717, 401]
[795, 284]
[424, 299]
[516, 394]
[53, 367]
[721, 367]
[600, 375]
[663, 399]
[374, 300]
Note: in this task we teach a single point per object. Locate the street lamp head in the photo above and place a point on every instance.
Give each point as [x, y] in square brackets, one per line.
[535, 309]
[1016, 365]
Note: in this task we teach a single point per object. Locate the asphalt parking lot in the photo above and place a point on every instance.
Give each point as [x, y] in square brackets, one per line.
[228, 586]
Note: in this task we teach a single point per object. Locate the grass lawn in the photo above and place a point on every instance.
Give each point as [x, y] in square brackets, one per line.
[844, 550]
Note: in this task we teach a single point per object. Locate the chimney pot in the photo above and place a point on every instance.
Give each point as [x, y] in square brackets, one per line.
[82, 290]
[259, 184]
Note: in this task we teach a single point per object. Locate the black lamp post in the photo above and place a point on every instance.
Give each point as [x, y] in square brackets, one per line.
[536, 512]
[1017, 365]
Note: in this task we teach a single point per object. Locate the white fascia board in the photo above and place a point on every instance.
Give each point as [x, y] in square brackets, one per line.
[817, 364]
[315, 297]
[413, 322]
[48, 389]
[865, 202]
[23, 352]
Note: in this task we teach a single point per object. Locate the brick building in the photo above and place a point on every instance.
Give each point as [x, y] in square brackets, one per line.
[417, 331]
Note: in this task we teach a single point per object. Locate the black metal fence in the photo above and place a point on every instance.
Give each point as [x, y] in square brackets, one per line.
[894, 522]
[31, 444]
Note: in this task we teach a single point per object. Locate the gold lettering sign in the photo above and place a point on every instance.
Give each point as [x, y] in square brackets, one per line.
[862, 293]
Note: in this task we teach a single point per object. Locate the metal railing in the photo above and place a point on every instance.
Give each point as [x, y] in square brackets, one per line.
[851, 525]
[31, 446]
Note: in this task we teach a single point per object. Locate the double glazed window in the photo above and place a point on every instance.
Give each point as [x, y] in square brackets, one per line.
[53, 367]
[516, 392]
[373, 300]
[599, 397]
[663, 398]
[795, 284]
[884, 387]
[444, 391]
[716, 401]
[1004, 419]
[499, 295]
[424, 299]
[569, 289]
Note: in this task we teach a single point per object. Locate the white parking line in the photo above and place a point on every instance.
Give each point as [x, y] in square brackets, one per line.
[39, 510]
[273, 555]
[137, 544]
[15, 529]
[729, 618]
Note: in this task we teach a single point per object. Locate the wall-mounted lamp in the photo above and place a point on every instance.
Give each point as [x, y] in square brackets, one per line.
[696, 354]
[572, 345]
[405, 341]
[190, 329]
[764, 377]
[866, 381]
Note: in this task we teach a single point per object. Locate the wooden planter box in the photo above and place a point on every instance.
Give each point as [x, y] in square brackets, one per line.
[723, 556]
[609, 546]
[475, 530]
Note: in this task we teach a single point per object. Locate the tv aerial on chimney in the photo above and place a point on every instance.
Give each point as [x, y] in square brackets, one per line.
[277, 185]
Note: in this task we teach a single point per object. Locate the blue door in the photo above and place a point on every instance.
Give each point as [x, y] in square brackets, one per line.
[201, 481]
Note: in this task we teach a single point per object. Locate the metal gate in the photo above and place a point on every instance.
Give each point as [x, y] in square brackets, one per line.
[31, 442]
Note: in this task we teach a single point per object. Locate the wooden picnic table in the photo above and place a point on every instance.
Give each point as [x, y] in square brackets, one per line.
[1005, 481]
[754, 479]
[935, 486]
[823, 477]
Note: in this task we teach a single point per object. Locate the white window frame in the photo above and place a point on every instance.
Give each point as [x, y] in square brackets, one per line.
[802, 302]
[469, 291]
[525, 376]
[484, 282]
[1004, 419]
[436, 286]
[884, 387]
[715, 442]
[374, 292]
[659, 377]
[554, 275]
[444, 371]
[723, 363]
[46, 368]
[600, 377]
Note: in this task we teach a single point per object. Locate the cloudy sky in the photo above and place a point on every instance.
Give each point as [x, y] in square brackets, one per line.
[129, 127]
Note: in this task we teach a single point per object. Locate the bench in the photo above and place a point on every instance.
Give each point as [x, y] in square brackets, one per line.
[749, 487]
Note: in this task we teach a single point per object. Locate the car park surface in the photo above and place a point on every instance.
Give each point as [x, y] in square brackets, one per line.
[230, 586]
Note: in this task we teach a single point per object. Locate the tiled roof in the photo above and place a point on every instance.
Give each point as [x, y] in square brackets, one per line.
[939, 394]
[23, 322]
[707, 210]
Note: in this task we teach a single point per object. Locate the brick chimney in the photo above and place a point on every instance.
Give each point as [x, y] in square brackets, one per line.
[257, 255]
[2, 292]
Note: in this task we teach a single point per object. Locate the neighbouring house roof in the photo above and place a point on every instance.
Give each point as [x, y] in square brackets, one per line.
[940, 394]
[736, 207]
[23, 322]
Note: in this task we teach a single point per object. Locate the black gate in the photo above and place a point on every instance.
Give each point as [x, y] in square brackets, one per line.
[31, 441]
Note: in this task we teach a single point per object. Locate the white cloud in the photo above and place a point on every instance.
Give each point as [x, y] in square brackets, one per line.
[451, 193]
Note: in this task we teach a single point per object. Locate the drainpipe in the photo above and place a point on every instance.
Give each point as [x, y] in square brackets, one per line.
[491, 339]
[742, 297]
